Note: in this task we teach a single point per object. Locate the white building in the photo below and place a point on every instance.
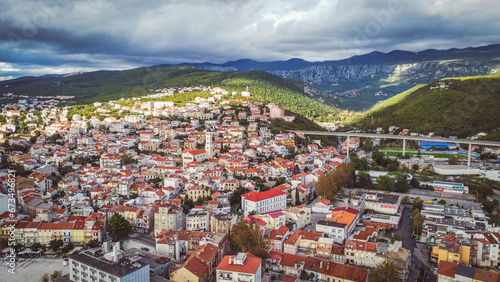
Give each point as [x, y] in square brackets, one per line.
[208, 144]
[456, 170]
[168, 217]
[451, 187]
[110, 161]
[86, 267]
[198, 220]
[381, 202]
[124, 187]
[335, 230]
[262, 202]
[193, 156]
[491, 174]
[242, 267]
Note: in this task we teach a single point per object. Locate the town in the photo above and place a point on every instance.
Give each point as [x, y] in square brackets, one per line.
[201, 184]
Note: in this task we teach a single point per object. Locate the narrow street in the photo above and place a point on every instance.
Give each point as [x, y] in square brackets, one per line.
[418, 255]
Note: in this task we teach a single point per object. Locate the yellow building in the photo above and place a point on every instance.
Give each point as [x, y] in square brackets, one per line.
[78, 232]
[6, 228]
[192, 270]
[324, 248]
[451, 252]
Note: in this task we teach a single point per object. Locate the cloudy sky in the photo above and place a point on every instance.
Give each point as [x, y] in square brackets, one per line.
[63, 36]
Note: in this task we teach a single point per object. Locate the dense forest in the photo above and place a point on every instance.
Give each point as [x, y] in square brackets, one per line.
[461, 107]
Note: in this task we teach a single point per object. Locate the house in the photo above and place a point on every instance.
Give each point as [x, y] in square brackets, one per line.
[197, 220]
[193, 269]
[193, 156]
[298, 215]
[240, 267]
[335, 230]
[322, 206]
[325, 270]
[324, 247]
[342, 215]
[452, 251]
[110, 162]
[222, 223]
[167, 217]
[291, 264]
[277, 238]
[358, 252]
[262, 202]
[196, 191]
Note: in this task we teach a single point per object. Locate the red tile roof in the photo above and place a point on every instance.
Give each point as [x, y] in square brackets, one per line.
[447, 268]
[251, 264]
[259, 196]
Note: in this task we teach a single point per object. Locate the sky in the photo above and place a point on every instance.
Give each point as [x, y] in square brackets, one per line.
[65, 36]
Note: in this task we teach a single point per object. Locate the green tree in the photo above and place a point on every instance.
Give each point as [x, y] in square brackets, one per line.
[55, 244]
[394, 181]
[91, 244]
[418, 203]
[453, 160]
[56, 274]
[414, 183]
[378, 157]
[35, 247]
[406, 200]
[359, 164]
[249, 238]
[367, 145]
[442, 202]
[303, 275]
[119, 227]
[332, 183]
[19, 247]
[364, 180]
[385, 271]
[418, 221]
[392, 167]
[126, 159]
[297, 196]
[187, 204]
[65, 250]
[45, 278]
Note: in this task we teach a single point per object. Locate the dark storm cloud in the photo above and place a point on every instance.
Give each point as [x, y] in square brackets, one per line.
[59, 36]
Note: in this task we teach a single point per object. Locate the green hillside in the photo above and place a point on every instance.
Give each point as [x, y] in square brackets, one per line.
[463, 107]
[108, 85]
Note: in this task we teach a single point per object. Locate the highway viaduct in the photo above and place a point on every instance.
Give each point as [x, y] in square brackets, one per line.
[401, 137]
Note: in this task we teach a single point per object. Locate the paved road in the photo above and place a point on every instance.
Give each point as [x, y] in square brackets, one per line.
[144, 239]
[419, 255]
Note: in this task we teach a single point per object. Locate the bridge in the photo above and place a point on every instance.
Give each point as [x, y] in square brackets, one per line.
[401, 137]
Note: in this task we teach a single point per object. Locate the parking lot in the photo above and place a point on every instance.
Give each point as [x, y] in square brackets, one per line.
[32, 269]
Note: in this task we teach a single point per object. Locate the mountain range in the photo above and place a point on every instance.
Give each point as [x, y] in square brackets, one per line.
[361, 81]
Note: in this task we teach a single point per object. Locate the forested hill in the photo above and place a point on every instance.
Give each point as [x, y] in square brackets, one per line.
[461, 107]
[292, 94]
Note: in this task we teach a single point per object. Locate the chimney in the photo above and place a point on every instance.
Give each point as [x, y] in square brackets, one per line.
[115, 253]
[327, 266]
[321, 264]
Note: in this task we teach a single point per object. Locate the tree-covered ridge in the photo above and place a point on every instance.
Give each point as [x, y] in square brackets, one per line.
[287, 93]
[112, 85]
[461, 107]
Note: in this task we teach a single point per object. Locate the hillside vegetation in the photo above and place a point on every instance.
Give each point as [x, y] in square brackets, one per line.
[110, 85]
[463, 107]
